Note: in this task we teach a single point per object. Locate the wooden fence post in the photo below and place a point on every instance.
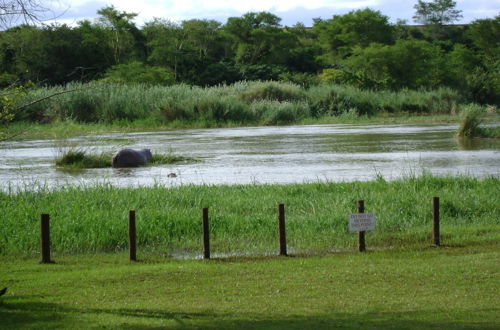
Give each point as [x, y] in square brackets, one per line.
[282, 230]
[361, 234]
[45, 239]
[132, 241]
[206, 234]
[435, 221]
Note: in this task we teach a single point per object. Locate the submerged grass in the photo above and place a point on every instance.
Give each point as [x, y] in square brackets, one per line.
[243, 217]
[82, 159]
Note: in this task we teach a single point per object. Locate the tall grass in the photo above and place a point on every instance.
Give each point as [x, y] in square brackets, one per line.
[243, 218]
[240, 103]
[81, 158]
[471, 117]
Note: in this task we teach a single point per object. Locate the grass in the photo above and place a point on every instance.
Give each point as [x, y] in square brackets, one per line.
[471, 118]
[81, 159]
[77, 158]
[243, 103]
[445, 288]
[90, 219]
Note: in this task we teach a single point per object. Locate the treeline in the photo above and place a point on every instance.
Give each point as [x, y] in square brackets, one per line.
[360, 48]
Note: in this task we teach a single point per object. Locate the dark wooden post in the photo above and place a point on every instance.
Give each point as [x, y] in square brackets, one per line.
[45, 239]
[361, 234]
[282, 231]
[206, 234]
[435, 221]
[132, 242]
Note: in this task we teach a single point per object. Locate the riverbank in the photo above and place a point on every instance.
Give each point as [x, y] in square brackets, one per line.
[428, 288]
[90, 219]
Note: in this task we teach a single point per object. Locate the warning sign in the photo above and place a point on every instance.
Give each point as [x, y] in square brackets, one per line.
[362, 221]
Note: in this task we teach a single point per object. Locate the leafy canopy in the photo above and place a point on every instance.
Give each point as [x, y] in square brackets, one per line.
[436, 12]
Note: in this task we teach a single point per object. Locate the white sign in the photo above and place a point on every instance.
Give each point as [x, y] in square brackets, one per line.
[362, 221]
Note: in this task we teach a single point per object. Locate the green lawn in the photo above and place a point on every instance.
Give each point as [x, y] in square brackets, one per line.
[428, 288]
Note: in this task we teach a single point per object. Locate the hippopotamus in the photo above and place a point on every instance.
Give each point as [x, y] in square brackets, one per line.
[132, 158]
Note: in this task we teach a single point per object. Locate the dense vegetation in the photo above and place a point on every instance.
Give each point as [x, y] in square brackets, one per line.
[361, 48]
[267, 103]
[244, 218]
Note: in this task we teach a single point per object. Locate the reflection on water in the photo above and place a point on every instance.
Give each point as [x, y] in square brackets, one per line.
[263, 155]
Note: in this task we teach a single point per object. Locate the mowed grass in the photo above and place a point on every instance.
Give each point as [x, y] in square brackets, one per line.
[428, 288]
[243, 218]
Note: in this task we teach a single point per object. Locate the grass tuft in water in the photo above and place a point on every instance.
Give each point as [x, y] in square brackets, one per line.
[82, 159]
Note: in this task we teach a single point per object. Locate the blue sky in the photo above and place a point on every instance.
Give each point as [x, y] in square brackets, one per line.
[291, 11]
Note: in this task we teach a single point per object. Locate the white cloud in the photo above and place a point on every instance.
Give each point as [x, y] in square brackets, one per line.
[293, 10]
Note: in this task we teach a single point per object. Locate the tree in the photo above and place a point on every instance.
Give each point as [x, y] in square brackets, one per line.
[406, 64]
[437, 12]
[340, 34]
[127, 41]
[484, 34]
[259, 39]
[13, 12]
[138, 72]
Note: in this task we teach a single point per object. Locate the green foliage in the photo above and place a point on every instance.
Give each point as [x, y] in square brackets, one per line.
[337, 99]
[471, 116]
[273, 91]
[280, 113]
[484, 34]
[76, 158]
[370, 53]
[406, 64]
[342, 33]
[91, 219]
[436, 12]
[482, 84]
[108, 103]
[10, 102]
[138, 72]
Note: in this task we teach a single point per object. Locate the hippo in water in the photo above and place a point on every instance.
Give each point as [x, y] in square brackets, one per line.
[132, 158]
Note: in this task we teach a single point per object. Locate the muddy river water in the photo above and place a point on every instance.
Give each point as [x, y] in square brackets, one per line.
[260, 155]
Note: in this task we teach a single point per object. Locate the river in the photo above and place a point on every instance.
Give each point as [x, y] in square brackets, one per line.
[259, 155]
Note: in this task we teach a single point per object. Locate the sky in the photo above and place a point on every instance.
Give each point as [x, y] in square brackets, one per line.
[290, 11]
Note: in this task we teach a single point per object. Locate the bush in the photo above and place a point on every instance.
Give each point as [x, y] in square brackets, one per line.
[273, 91]
[139, 73]
[280, 113]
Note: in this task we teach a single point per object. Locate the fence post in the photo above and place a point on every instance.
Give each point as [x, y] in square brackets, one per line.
[361, 234]
[45, 239]
[206, 234]
[435, 221]
[282, 231]
[132, 242]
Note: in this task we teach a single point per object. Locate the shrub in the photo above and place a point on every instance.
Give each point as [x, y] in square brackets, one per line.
[280, 113]
[273, 91]
[139, 73]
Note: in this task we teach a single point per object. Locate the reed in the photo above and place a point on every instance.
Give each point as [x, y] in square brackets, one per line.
[285, 103]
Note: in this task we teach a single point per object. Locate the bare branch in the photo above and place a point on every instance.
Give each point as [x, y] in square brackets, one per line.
[13, 12]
